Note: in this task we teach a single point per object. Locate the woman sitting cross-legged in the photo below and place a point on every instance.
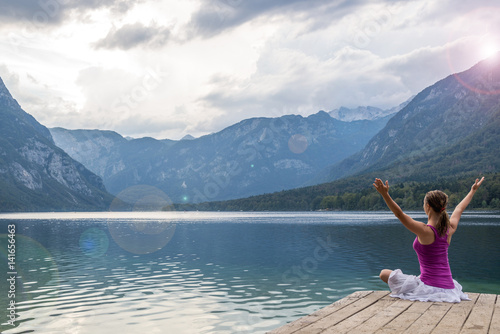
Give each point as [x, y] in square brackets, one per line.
[435, 282]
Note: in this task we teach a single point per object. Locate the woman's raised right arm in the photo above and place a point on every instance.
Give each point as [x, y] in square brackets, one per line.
[460, 208]
[414, 226]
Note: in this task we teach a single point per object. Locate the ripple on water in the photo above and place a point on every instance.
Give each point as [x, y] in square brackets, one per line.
[208, 286]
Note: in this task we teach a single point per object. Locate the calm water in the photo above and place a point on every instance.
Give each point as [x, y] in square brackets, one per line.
[213, 272]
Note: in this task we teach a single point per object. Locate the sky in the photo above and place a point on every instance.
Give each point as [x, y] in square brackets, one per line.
[168, 68]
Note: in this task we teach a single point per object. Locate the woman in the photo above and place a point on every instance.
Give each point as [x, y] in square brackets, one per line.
[435, 282]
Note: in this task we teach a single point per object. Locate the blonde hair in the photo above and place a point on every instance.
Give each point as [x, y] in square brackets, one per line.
[438, 200]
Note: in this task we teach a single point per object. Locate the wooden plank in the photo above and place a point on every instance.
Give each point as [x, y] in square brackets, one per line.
[403, 321]
[349, 324]
[294, 326]
[454, 319]
[495, 320]
[377, 312]
[481, 315]
[428, 321]
[344, 313]
[383, 316]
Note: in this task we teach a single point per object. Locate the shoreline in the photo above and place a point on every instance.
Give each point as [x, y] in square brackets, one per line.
[64, 215]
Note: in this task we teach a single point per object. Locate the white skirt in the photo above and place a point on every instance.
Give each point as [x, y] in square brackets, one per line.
[412, 288]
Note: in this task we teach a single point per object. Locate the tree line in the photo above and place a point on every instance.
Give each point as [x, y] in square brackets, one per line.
[357, 193]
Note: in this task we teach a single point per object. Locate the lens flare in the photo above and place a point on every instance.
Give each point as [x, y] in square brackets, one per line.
[140, 236]
[94, 242]
[297, 143]
[35, 268]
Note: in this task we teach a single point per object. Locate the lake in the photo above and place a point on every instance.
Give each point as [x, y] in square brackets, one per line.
[205, 272]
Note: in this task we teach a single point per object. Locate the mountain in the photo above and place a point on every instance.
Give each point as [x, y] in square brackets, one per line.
[251, 157]
[35, 174]
[365, 112]
[441, 122]
[447, 136]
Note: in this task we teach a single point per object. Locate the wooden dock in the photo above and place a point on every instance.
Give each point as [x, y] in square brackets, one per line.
[377, 312]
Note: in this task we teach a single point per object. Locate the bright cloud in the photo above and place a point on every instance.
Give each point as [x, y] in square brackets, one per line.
[168, 68]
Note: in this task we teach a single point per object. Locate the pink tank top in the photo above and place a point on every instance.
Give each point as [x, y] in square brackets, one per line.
[433, 259]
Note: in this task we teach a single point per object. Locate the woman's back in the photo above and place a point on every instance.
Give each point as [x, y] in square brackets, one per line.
[433, 259]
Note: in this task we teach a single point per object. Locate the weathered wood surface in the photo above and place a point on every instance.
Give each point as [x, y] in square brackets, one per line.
[377, 312]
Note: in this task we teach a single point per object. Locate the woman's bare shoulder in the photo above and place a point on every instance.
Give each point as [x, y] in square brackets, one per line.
[427, 236]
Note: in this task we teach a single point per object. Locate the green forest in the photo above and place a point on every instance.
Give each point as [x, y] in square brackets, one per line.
[358, 194]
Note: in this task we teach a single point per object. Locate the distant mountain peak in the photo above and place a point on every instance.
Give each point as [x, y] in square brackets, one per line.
[365, 112]
[359, 113]
[188, 137]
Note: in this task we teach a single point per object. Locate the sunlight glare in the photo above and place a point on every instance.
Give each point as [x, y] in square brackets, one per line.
[488, 50]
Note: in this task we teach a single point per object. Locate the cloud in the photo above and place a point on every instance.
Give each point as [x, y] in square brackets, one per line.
[131, 103]
[10, 79]
[292, 82]
[443, 12]
[301, 73]
[134, 35]
[228, 60]
[47, 13]
[38, 99]
[215, 16]
[43, 12]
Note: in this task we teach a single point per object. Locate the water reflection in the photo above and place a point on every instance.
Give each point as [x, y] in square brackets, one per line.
[234, 273]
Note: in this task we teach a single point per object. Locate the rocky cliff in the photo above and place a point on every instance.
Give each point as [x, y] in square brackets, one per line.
[35, 174]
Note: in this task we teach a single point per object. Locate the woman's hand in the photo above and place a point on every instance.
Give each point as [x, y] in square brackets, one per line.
[381, 187]
[460, 208]
[476, 184]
